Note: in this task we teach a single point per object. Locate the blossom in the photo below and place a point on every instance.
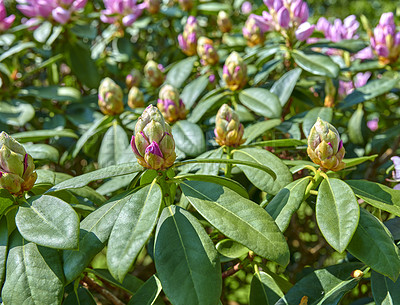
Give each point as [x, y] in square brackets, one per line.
[122, 11]
[5, 22]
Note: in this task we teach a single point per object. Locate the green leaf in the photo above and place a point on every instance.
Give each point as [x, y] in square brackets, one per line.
[82, 64]
[180, 72]
[211, 169]
[193, 90]
[103, 173]
[261, 101]
[232, 184]
[57, 93]
[230, 248]
[258, 177]
[132, 229]
[323, 286]
[377, 195]
[287, 202]
[337, 212]
[349, 45]
[205, 104]
[48, 221]
[213, 7]
[384, 290]
[371, 90]
[148, 293]
[131, 284]
[186, 261]
[355, 161]
[40, 135]
[16, 113]
[284, 86]
[42, 152]
[189, 138]
[316, 64]
[254, 131]
[3, 248]
[34, 274]
[238, 218]
[371, 241]
[280, 143]
[311, 117]
[356, 125]
[115, 148]
[94, 232]
[16, 49]
[82, 296]
[6, 200]
[263, 289]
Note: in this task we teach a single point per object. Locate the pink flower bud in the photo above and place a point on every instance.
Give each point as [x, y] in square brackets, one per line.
[61, 15]
[304, 31]
[283, 17]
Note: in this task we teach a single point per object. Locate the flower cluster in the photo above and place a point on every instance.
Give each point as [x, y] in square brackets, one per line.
[188, 39]
[170, 104]
[16, 166]
[121, 11]
[5, 22]
[345, 88]
[58, 10]
[385, 40]
[254, 30]
[338, 30]
[152, 142]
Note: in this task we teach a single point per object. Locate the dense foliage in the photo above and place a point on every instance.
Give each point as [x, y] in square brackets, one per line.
[198, 153]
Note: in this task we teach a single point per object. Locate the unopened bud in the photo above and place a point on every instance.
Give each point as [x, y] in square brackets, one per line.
[357, 274]
[235, 72]
[228, 129]
[170, 104]
[153, 73]
[110, 97]
[135, 98]
[133, 79]
[224, 22]
[206, 51]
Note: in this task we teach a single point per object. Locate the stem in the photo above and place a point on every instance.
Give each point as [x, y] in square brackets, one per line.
[228, 168]
[104, 292]
[316, 180]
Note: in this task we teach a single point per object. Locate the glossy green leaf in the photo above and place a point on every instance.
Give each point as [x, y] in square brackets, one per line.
[287, 202]
[337, 212]
[16, 113]
[260, 178]
[132, 229]
[48, 221]
[34, 274]
[355, 161]
[94, 232]
[115, 148]
[205, 104]
[371, 90]
[82, 296]
[261, 101]
[130, 284]
[16, 49]
[256, 130]
[107, 172]
[211, 169]
[238, 218]
[3, 248]
[324, 286]
[230, 248]
[263, 289]
[180, 71]
[148, 293]
[356, 125]
[284, 86]
[232, 184]
[193, 90]
[40, 135]
[372, 241]
[385, 291]
[377, 195]
[349, 45]
[189, 138]
[311, 117]
[57, 93]
[42, 152]
[316, 64]
[186, 261]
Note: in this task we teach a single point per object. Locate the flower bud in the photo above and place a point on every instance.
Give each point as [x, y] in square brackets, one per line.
[170, 105]
[254, 30]
[186, 5]
[228, 129]
[283, 17]
[235, 72]
[153, 73]
[188, 39]
[133, 79]
[16, 166]
[224, 22]
[325, 147]
[110, 97]
[206, 51]
[357, 274]
[153, 6]
[135, 98]
[5, 22]
[246, 7]
[153, 143]
[304, 31]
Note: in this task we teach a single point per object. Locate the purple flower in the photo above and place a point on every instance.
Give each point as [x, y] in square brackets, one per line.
[373, 124]
[5, 22]
[246, 7]
[283, 17]
[57, 10]
[188, 39]
[121, 11]
[364, 54]
[211, 78]
[339, 30]
[396, 172]
[345, 88]
[304, 31]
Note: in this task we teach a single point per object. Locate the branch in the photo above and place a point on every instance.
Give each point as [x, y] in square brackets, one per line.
[103, 291]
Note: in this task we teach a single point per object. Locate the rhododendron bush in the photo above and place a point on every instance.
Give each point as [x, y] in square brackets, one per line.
[198, 152]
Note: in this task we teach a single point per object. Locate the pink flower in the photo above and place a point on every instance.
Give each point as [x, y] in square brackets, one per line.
[5, 22]
[122, 11]
[373, 124]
